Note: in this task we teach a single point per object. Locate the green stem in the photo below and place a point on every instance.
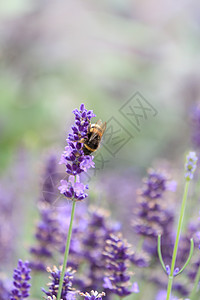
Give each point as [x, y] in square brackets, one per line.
[189, 257]
[180, 223]
[160, 253]
[66, 252]
[194, 290]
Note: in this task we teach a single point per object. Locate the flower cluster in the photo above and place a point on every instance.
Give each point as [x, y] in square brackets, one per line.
[117, 257]
[97, 232]
[195, 265]
[48, 227]
[152, 216]
[74, 158]
[78, 232]
[94, 295]
[21, 278]
[54, 284]
[47, 236]
[73, 189]
[7, 228]
[190, 165]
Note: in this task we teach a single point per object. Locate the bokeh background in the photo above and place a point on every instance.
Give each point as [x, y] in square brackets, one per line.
[54, 55]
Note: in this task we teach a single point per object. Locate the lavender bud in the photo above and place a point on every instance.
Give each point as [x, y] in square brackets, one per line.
[190, 165]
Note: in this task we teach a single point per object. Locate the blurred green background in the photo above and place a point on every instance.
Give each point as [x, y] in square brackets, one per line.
[54, 55]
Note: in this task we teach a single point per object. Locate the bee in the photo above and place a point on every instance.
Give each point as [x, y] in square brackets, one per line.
[94, 135]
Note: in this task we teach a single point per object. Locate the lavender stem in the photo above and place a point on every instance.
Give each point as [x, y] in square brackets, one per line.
[66, 252]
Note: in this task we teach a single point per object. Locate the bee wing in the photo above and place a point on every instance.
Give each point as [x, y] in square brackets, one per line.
[102, 126]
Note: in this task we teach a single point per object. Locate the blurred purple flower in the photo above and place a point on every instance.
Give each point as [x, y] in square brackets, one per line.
[4, 289]
[155, 184]
[140, 259]
[198, 237]
[135, 288]
[117, 257]
[48, 235]
[21, 278]
[190, 165]
[8, 205]
[152, 216]
[98, 230]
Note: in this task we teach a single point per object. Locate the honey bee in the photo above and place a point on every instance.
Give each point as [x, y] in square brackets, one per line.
[94, 135]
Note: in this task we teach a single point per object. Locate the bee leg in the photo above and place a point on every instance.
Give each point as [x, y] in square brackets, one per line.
[89, 127]
[82, 141]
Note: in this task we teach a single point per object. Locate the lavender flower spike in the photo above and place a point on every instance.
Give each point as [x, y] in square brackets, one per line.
[117, 256]
[53, 285]
[73, 156]
[190, 165]
[76, 162]
[21, 277]
[94, 295]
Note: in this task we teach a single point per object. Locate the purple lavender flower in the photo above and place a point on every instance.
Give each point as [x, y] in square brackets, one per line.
[48, 235]
[117, 256]
[96, 233]
[140, 259]
[190, 165]
[53, 285]
[21, 278]
[73, 190]
[87, 163]
[152, 216]
[7, 229]
[155, 184]
[94, 295]
[73, 156]
[194, 231]
[82, 118]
